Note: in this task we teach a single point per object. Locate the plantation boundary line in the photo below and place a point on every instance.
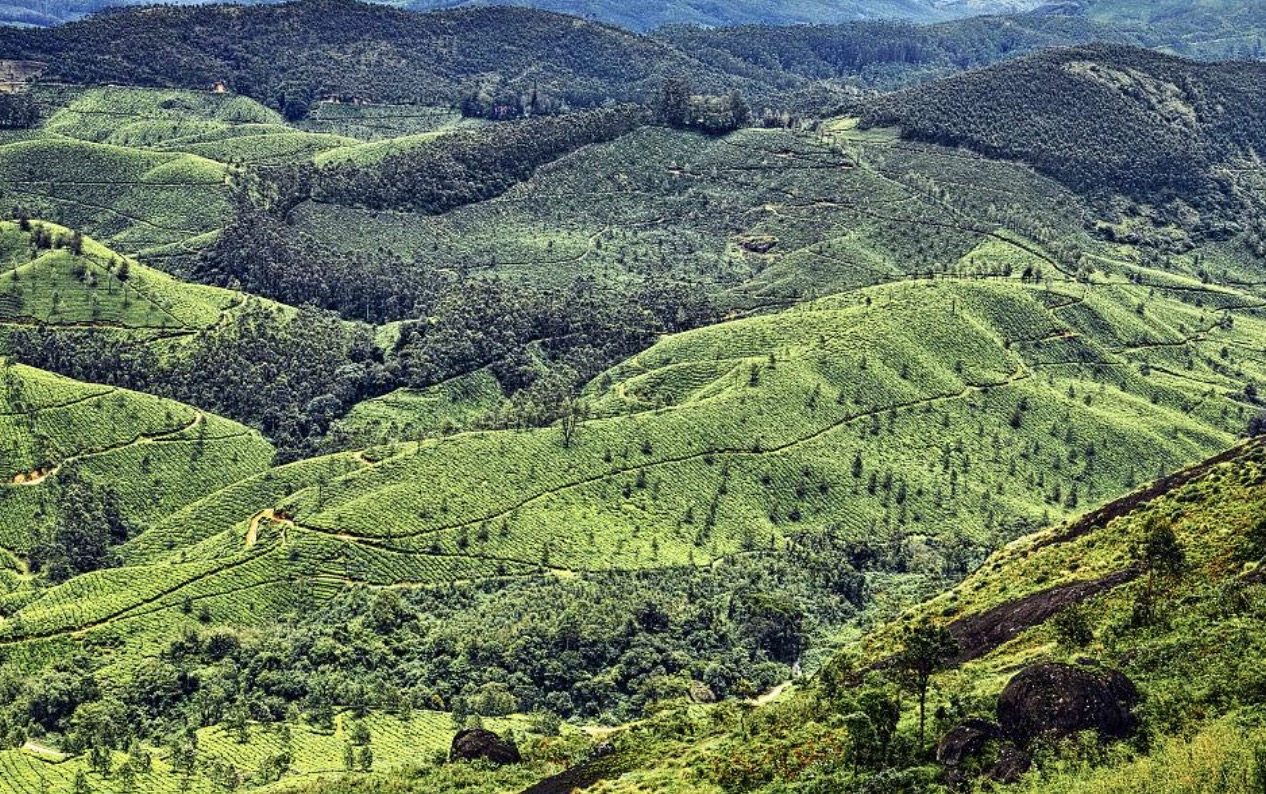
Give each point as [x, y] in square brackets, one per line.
[55, 406]
[1019, 374]
[115, 183]
[112, 210]
[140, 438]
[383, 544]
[123, 613]
[156, 332]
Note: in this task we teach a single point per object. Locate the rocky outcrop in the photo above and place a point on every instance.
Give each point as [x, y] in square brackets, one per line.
[1051, 701]
[976, 748]
[474, 744]
[1010, 765]
[966, 740]
[1045, 701]
[981, 633]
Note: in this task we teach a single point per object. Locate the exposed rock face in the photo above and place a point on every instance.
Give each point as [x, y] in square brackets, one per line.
[1055, 700]
[702, 693]
[1010, 765]
[965, 740]
[976, 748]
[1045, 701]
[473, 744]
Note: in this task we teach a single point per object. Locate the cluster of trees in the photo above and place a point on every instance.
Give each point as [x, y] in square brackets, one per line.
[18, 111]
[609, 645]
[88, 525]
[262, 254]
[463, 168]
[883, 54]
[1104, 120]
[500, 101]
[584, 328]
[288, 374]
[678, 106]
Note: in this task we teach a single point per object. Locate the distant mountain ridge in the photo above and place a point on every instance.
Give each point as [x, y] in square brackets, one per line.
[639, 15]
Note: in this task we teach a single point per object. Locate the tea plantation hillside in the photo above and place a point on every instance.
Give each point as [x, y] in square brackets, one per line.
[88, 466]
[367, 375]
[758, 218]
[1164, 587]
[145, 171]
[58, 279]
[137, 200]
[71, 305]
[918, 425]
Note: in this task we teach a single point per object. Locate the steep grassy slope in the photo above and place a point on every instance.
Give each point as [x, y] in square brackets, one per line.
[1190, 640]
[408, 414]
[765, 217]
[55, 287]
[134, 199]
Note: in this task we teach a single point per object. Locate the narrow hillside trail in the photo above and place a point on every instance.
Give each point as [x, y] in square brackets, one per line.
[40, 475]
[384, 544]
[773, 694]
[155, 332]
[272, 517]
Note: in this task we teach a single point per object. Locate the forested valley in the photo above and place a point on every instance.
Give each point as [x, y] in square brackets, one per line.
[496, 400]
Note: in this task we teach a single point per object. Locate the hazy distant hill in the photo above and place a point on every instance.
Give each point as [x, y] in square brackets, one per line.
[635, 14]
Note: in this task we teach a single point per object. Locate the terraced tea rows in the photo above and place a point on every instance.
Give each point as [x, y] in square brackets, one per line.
[396, 742]
[1028, 404]
[153, 455]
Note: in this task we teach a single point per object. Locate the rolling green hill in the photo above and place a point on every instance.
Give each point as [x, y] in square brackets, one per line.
[924, 421]
[135, 199]
[437, 58]
[635, 16]
[1079, 593]
[75, 452]
[759, 218]
[590, 416]
[47, 283]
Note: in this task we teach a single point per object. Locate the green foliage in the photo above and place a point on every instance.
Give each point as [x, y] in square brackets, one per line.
[404, 59]
[482, 163]
[714, 509]
[1166, 145]
[924, 650]
[18, 111]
